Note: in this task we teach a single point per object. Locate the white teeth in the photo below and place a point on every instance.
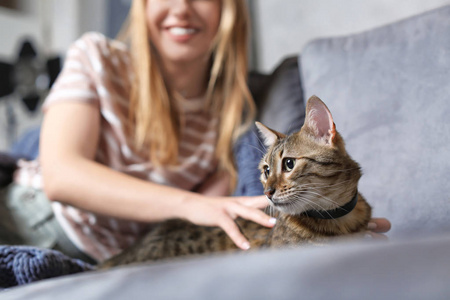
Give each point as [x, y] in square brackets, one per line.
[181, 31]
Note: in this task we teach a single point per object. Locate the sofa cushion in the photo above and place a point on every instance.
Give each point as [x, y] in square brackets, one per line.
[279, 97]
[415, 269]
[389, 92]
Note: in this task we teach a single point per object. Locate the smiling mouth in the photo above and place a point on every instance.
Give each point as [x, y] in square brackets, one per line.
[182, 31]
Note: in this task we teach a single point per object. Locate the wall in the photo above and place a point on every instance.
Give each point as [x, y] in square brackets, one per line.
[284, 27]
[52, 25]
[17, 23]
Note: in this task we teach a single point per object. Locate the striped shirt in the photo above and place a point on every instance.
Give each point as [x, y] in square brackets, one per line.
[98, 71]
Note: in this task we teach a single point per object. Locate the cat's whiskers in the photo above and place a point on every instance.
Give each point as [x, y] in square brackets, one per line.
[322, 189]
[314, 190]
[270, 210]
[327, 189]
[344, 170]
[260, 142]
[253, 146]
[295, 191]
[294, 197]
[323, 210]
[323, 197]
[331, 187]
[312, 204]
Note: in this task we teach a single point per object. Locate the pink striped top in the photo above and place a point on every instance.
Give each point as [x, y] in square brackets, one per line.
[98, 71]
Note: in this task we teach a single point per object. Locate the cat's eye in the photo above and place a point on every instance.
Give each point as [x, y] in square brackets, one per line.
[288, 164]
[266, 171]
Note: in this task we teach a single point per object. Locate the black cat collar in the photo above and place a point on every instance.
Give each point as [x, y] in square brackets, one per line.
[334, 213]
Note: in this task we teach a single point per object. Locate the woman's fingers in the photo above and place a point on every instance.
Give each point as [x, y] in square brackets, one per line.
[380, 225]
[254, 201]
[232, 230]
[254, 215]
[234, 210]
[376, 236]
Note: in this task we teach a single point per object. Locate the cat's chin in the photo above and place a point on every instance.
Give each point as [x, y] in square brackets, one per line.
[288, 207]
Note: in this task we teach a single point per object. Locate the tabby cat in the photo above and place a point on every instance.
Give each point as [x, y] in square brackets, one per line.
[308, 178]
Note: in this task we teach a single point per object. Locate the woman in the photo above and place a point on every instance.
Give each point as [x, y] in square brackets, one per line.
[140, 134]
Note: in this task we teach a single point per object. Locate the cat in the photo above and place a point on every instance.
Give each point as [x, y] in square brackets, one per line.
[309, 180]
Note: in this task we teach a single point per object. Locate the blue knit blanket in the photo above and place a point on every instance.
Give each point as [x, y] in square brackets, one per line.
[22, 264]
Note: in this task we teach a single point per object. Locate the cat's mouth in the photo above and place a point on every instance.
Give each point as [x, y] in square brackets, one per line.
[278, 203]
[287, 205]
[281, 204]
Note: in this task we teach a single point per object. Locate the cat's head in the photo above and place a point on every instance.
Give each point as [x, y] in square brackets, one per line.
[310, 169]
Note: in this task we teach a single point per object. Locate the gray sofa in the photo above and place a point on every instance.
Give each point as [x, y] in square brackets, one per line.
[389, 92]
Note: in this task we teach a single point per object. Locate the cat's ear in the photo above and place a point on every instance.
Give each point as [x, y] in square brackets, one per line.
[270, 136]
[319, 120]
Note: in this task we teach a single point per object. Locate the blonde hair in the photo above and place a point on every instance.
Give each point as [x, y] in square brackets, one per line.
[154, 115]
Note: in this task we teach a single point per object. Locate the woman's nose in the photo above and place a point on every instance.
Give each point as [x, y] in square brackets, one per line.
[180, 7]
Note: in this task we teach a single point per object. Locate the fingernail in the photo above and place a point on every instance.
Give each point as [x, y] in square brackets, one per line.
[371, 226]
[368, 236]
[272, 221]
[246, 246]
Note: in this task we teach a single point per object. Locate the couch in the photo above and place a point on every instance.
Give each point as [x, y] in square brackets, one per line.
[389, 91]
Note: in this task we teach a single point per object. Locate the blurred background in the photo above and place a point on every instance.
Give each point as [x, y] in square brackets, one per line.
[34, 35]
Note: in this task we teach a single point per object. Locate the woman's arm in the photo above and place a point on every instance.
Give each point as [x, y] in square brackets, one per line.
[69, 140]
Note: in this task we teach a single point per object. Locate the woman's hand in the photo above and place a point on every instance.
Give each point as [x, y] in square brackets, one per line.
[222, 211]
[378, 226]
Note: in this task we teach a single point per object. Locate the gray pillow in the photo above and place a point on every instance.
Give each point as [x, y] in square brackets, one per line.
[389, 92]
[279, 97]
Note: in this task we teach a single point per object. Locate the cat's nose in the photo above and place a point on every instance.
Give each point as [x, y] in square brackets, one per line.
[269, 192]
